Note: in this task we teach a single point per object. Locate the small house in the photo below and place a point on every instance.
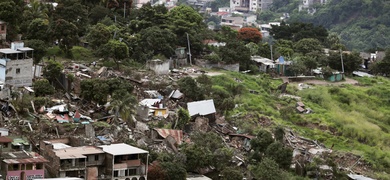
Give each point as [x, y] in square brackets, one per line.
[202, 108]
[264, 64]
[4, 131]
[23, 165]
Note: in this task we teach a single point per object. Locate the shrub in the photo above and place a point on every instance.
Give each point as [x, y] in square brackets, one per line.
[42, 87]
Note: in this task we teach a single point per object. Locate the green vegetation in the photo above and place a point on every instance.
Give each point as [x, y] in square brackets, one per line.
[361, 24]
[352, 118]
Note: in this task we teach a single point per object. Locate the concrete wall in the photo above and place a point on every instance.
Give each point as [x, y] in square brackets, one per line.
[229, 67]
[29, 174]
[159, 67]
[19, 73]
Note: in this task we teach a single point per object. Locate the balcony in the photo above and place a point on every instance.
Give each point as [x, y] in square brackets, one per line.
[241, 8]
[72, 167]
[128, 164]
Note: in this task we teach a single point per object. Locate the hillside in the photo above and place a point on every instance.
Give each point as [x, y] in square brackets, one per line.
[351, 118]
[361, 24]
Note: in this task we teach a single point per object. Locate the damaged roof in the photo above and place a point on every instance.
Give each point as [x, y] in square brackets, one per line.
[77, 152]
[22, 157]
[202, 108]
[176, 134]
[122, 149]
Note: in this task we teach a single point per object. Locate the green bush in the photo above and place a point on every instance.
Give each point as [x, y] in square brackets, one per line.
[54, 51]
[81, 53]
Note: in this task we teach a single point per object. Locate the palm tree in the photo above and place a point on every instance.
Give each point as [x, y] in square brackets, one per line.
[36, 10]
[124, 108]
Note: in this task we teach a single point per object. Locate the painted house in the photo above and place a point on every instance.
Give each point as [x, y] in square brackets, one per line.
[5, 143]
[16, 65]
[22, 165]
[125, 162]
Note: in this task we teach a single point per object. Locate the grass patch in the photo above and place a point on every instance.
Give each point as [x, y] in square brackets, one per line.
[352, 118]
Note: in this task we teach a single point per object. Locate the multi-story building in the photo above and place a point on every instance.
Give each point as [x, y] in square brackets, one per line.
[250, 5]
[125, 162]
[16, 65]
[115, 161]
[22, 165]
[67, 161]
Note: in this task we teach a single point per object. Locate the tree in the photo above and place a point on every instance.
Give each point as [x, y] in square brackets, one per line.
[184, 19]
[279, 154]
[10, 12]
[64, 32]
[197, 157]
[191, 89]
[94, 90]
[253, 48]
[123, 105]
[279, 134]
[297, 66]
[38, 29]
[116, 50]
[40, 49]
[262, 141]
[230, 173]
[298, 30]
[156, 172]
[382, 67]
[235, 52]
[174, 170]
[52, 70]
[351, 61]
[42, 87]
[157, 41]
[98, 13]
[98, 35]
[285, 47]
[73, 12]
[183, 118]
[308, 45]
[249, 34]
[267, 169]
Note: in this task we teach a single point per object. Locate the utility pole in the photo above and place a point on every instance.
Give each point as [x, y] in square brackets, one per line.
[342, 62]
[124, 9]
[272, 55]
[189, 49]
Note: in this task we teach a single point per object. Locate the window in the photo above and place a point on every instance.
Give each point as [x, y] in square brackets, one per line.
[2, 27]
[132, 172]
[96, 157]
[5, 145]
[115, 173]
[39, 166]
[17, 70]
[15, 167]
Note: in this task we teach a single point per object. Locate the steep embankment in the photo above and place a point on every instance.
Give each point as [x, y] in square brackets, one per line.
[352, 118]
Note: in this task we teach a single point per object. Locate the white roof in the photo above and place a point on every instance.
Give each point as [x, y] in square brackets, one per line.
[25, 49]
[122, 149]
[262, 60]
[60, 146]
[204, 107]
[358, 177]
[8, 51]
[149, 102]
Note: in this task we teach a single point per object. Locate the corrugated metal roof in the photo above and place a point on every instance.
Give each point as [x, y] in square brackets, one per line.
[77, 152]
[202, 108]
[4, 139]
[176, 134]
[39, 159]
[23, 157]
[122, 149]
[25, 49]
